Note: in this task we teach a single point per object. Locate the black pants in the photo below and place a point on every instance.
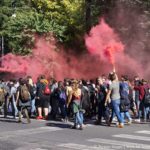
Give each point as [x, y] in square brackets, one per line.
[6, 106]
[103, 111]
[93, 104]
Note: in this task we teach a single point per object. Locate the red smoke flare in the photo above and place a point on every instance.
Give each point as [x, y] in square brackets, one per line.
[109, 53]
[104, 42]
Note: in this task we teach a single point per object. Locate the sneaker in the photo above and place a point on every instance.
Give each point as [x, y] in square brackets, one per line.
[45, 118]
[121, 125]
[62, 120]
[73, 127]
[77, 126]
[137, 120]
[39, 117]
[114, 119]
[108, 122]
[81, 127]
[66, 119]
[19, 121]
[32, 116]
[28, 120]
[129, 122]
[117, 123]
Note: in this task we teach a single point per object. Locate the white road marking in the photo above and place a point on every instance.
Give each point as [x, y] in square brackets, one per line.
[38, 149]
[123, 144]
[134, 137]
[143, 131]
[83, 147]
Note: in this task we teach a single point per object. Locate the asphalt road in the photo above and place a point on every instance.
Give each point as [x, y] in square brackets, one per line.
[51, 135]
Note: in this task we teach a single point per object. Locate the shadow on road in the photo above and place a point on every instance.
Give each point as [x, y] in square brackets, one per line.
[7, 120]
[60, 125]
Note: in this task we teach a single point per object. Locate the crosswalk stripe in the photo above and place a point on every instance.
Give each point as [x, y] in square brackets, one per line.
[25, 132]
[38, 149]
[143, 131]
[83, 147]
[134, 137]
[124, 145]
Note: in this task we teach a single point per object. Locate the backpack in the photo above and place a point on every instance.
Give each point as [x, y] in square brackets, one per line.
[47, 90]
[2, 95]
[124, 97]
[62, 96]
[147, 96]
[124, 90]
[25, 95]
[101, 94]
[85, 98]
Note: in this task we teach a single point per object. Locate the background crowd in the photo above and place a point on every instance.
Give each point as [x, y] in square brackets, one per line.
[104, 98]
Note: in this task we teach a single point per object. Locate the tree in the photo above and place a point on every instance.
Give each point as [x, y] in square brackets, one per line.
[67, 17]
[69, 20]
[64, 18]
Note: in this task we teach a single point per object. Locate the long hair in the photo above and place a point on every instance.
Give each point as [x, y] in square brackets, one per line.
[75, 85]
[75, 89]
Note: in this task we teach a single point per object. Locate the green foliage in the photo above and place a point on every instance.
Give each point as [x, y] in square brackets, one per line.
[22, 19]
[66, 16]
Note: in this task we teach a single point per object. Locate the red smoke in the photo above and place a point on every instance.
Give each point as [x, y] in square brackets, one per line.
[109, 53]
[44, 60]
[52, 61]
[103, 44]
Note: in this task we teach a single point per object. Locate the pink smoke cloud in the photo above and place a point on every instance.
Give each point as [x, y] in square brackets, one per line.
[104, 42]
[48, 59]
[104, 47]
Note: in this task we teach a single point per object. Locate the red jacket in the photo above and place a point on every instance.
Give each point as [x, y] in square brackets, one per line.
[141, 90]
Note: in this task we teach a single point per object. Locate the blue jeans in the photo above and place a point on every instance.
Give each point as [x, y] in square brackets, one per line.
[125, 114]
[79, 118]
[138, 104]
[14, 107]
[33, 109]
[116, 110]
[146, 112]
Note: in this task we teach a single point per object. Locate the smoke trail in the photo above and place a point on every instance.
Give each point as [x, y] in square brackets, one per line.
[105, 49]
[104, 42]
[131, 22]
[49, 59]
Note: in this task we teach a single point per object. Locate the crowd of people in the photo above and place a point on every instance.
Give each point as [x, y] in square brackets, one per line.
[103, 98]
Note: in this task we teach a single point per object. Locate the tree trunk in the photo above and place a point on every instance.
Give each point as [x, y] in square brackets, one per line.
[88, 15]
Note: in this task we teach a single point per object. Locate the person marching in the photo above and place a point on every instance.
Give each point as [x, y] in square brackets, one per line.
[77, 108]
[114, 95]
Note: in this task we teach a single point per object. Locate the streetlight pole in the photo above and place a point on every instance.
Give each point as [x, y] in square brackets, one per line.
[2, 38]
[2, 51]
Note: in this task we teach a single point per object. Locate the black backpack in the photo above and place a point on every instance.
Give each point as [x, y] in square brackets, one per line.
[85, 99]
[147, 96]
